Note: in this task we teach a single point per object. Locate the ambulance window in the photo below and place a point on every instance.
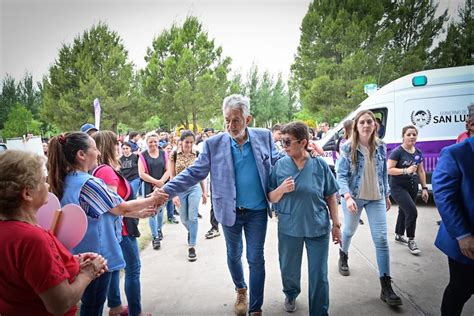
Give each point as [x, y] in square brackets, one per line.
[381, 118]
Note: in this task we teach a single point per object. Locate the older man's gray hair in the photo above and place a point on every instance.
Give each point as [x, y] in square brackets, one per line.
[237, 101]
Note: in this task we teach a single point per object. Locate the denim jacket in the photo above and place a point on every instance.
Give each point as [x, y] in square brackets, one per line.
[349, 177]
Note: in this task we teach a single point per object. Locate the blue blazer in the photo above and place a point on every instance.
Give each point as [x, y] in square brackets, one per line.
[216, 158]
[453, 188]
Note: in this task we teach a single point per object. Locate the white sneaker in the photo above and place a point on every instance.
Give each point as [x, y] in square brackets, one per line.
[413, 247]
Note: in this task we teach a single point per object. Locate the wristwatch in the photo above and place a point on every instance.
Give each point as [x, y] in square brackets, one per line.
[424, 188]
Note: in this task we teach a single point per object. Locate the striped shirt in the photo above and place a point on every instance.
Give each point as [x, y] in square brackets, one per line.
[96, 198]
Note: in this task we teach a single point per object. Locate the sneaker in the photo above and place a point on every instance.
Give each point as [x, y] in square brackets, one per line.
[240, 306]
[173, 220]
[156, 243]
[401, 240]
[290, 305]
[175, 212]
[361, 222]
[212, 233]
[413, 247]
[192, 254]
[199, 215]
[160, 234]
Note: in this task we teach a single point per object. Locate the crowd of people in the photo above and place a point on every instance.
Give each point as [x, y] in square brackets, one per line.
[248, 173]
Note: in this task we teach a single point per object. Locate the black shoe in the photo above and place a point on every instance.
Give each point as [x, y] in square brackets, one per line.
[342, 263]
[361, 221]
[160, 234]
[192, 254]
[173, 220]
[387, 294]
[156, 243]
[175, 212]
[199, 215]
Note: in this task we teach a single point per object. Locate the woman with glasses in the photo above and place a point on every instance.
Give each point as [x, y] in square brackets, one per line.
[305, 190]
[405, 166]
[363, 180]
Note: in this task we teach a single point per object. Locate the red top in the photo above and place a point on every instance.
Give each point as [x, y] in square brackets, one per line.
[32, 261]
[463, 136]
[112, 178]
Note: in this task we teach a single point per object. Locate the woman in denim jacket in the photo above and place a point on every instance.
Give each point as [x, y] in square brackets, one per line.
[363, 181]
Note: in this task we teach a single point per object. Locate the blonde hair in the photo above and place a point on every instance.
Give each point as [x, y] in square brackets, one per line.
[355, 137]
[106, 142]
[18, 170]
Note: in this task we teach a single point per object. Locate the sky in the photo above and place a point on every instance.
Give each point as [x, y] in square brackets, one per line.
[264, 32]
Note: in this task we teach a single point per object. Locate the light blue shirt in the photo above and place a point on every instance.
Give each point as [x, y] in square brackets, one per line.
[250, 194]
[304, 212]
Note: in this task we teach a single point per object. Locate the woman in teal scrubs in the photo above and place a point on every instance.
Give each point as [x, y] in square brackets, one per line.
[305, 190]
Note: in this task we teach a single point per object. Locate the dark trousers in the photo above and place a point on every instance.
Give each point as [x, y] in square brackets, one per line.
[459, 289]
[214, 222]
[405, 197]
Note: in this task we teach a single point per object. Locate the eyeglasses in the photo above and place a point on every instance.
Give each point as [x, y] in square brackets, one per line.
[288, 142]
[368, 122]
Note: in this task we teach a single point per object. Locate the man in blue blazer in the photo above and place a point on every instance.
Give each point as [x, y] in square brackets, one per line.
[453, 188]
[239, 162]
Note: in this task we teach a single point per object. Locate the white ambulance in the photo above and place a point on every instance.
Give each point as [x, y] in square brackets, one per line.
[435, 101]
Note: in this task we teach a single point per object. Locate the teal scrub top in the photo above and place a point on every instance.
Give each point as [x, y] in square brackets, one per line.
[304, 212]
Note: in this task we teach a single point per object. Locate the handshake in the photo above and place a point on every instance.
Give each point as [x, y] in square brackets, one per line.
[160, 197]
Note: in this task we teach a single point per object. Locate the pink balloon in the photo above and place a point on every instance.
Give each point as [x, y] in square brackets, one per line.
[72, 225]
[46, 212]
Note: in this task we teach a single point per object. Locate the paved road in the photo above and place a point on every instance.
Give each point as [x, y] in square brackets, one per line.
[173, 286]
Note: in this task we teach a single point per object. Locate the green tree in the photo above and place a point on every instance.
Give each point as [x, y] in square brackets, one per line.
[186, 75]
[8, 98]
[340, 47]
[414, 28]
[347, 44]
[93, 66]
[457, 49]
[20, 122]
[25, 92]
[270, 102]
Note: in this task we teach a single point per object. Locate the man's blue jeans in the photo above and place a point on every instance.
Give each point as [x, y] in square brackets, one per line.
[131, 255]
[188, 211]
[156, 222]
[377, 216]
[94, 296]
[254, 225]
[290, 251]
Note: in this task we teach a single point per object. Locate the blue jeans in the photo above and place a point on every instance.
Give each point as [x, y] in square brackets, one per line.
[131, 255]
[377, 216]
[290, 250]
[188, 211]
[254, 225]
[94, 296]
[156, 222]
[135, 185]
[170, 209]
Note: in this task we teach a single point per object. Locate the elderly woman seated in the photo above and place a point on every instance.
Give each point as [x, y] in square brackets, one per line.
[39, 276]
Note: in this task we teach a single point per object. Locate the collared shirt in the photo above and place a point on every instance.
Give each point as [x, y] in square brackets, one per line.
[250, 194]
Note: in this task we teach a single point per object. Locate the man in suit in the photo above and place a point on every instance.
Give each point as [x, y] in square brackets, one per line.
[239, 162]
[453, 186]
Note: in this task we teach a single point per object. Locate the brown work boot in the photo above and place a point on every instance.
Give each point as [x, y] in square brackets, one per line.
[240, 306]
[256, 314]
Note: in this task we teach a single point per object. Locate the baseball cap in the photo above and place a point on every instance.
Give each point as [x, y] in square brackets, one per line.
[87, 127]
